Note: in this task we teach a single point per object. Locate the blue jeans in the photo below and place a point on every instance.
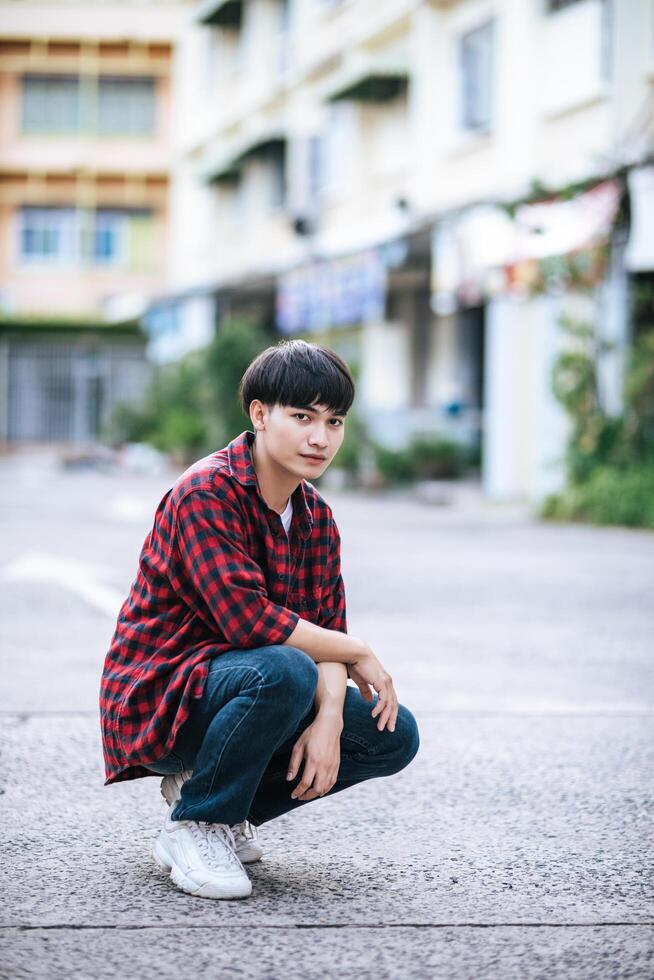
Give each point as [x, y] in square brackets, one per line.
[240, 733]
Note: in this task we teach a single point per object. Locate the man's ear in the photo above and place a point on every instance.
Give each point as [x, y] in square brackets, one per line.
[258, 415]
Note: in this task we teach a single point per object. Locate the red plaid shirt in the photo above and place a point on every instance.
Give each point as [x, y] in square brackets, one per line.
[217, 572]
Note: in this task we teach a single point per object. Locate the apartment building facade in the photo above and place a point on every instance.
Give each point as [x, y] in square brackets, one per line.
[85, 158]
[387, 176]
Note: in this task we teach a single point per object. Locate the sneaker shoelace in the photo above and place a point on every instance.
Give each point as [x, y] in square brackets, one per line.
[244, 831]
[216, 844]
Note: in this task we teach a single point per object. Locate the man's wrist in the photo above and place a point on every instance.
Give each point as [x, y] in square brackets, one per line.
[330, 709]
[359, 649]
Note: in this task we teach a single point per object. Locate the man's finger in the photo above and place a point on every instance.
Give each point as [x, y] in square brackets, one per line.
[379, 706]
[388, 711]
[311, 794]
[384, 718]
[306, 781]
[294, 763]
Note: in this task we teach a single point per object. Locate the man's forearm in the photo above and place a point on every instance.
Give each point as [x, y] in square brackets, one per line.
[325, 645]
[330, 690]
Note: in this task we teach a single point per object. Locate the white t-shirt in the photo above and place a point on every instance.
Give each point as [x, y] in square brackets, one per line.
[287, 515]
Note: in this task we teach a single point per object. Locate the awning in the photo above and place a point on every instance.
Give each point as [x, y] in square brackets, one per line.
[228, 165]
[367, 76]
[465, 249]
[220, 13]
[479, 253]
[559, 227]
[639, 254]
[372, 87]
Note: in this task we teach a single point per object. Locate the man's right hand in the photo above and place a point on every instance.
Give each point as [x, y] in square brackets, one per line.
[362, 665]
[367, 672]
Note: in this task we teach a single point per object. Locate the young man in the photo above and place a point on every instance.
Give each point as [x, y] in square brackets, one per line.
[227, 673]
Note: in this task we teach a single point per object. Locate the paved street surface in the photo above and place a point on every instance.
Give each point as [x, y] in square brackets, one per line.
[518, 844]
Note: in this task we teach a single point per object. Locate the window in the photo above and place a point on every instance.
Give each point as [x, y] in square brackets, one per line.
[125, 106]
[341, 146]
[49, 235]
[50, 104]
[69, 236]
[123, 238]
[109, 106]
[315, 167]
[476, 67]
[276, 183]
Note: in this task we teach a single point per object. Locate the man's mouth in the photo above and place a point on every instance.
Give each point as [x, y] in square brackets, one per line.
[313, 457]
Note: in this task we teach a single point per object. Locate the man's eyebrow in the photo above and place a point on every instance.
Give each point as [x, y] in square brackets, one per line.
[312, 408]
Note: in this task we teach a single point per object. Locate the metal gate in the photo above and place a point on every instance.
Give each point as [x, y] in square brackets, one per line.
[64, 392]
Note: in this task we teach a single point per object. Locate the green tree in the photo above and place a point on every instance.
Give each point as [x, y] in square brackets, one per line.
[236, 344]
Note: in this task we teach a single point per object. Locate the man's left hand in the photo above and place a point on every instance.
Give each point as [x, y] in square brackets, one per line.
[319, 746]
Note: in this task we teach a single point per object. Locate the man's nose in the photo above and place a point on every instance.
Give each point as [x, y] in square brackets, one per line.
[318, 436]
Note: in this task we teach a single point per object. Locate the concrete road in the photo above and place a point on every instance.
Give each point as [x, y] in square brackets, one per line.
[518, 844]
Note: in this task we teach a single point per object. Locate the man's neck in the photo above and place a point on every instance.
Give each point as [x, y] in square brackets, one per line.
[275, 484]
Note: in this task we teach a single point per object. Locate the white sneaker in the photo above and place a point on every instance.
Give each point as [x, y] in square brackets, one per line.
[245, 839]
[201, 859]
[245, 833]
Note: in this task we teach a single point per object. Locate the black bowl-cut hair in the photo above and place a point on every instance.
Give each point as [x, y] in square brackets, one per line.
[294, 372]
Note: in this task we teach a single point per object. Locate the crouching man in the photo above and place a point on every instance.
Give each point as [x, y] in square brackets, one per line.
[227, 672]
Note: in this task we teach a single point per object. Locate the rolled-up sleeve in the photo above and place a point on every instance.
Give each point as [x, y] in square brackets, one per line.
[219, 579]
[333, 612]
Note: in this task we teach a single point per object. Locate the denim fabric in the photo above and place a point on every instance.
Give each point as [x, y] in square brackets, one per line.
[239, 737]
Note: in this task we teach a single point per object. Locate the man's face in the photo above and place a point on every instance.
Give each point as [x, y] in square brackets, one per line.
[303, 439]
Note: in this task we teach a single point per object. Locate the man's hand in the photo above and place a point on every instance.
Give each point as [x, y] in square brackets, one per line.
[367, 672]
[319, 746]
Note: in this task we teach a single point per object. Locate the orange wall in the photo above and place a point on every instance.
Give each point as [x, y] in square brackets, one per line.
[80, 170]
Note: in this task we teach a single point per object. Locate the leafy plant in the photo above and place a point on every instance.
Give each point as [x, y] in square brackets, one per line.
[437, 458]
[610, 460]
[424, 458]
[236, 344]
[192, 406]
[353, 445]
[395, 465]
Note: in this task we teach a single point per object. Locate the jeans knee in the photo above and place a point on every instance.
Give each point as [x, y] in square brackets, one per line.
[295, 677]
[407, 738]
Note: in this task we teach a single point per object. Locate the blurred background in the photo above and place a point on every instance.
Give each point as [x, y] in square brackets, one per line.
[456, 196]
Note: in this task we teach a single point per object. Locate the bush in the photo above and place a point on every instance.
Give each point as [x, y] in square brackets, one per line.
[395, 465]
[192, 406]
[610, 460]
[348, 457]
[436, 458]
[173, 416]
[611, 495]
[236, 344]
[425, 458]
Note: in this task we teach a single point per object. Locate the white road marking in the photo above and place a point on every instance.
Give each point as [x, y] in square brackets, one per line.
[81, 578]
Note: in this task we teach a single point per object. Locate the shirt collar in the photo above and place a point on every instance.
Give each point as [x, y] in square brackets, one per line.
[242, 468]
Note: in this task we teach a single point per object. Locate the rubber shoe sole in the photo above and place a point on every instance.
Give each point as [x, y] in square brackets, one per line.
[230, 889]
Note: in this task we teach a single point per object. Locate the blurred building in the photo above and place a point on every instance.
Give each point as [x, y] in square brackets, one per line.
[427, 185]
[85, 158]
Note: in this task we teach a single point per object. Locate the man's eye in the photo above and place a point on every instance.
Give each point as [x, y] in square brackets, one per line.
[302, 415]
[338, 422]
